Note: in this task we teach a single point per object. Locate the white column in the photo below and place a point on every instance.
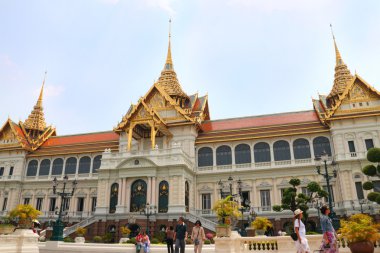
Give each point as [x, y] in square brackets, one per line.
[149, 191]
[154, 191]
[124, 191]
[119, 194]
[127, 195]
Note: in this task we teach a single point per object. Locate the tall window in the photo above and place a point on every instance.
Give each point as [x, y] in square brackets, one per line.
[80, 204]
[32, 168]
[138, 195]
[93, 204]
[39, 204]
[52, 204]
[113, 197]
[245, 199]
[84, 165]
[351, 146]
[261, 152]
[57, 167]
[223, 155]
[96, 163]
[205, 157]
[305, 191]
[66, 204]
[1, 171]
[332, 193]
[44, 167]
[187, 196]
[321, 144]
[265, 200]
[301, 149]
[359, 190]
[5, 204]
[163, 197]
[281, 151]
[206, 201]
[369, 143]
[71, 166]
[26, 201]
[242, 154]
[11, 171]
[282, 191]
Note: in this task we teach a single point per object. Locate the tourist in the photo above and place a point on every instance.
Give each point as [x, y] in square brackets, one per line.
[169, 239]
[302, 245]
[139, 242]
[329, 244]
[180, 236]
[198, 236]
[145, 242]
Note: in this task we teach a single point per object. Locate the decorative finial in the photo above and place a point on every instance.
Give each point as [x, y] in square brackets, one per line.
[169, 62]
[170, 28]
[338, 57]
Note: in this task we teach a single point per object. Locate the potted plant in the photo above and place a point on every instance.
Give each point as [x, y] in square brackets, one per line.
[125, 231]
[360, 232]
[225, 209]
[6, 226]
[261, 224]
[80, 231]
[24, 215]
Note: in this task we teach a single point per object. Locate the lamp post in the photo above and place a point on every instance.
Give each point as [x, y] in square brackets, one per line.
[58, 225]
[361, 203]
[322, 159]
[148, 211]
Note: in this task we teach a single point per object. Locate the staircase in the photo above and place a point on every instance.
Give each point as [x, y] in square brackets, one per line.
[83, 223]
[210, 225]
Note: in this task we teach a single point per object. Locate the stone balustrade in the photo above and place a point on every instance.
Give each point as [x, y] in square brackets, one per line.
[21, 241]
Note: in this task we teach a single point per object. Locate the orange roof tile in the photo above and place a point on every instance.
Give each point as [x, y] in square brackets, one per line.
[81, 138]
[260, 121]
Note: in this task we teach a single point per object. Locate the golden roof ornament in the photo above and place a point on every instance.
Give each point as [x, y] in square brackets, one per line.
[342, 74]
[36, 119]
[168, 79]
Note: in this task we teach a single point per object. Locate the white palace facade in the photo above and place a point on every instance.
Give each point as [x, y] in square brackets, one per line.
[166, 151]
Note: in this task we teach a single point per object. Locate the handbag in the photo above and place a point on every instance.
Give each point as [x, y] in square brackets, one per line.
[294, 236]
[196, 240]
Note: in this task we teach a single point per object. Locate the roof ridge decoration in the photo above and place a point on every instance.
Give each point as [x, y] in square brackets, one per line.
[342, 76]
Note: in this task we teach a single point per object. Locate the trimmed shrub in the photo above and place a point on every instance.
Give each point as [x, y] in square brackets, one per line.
[207, 241]
[160, 236]
[378, 199]
[373, 155]
[107, 238]
[97, 239]
[155, 241]
[369, 170]
[68, 239]
[372, 196]
[368, 185]
[132, 240]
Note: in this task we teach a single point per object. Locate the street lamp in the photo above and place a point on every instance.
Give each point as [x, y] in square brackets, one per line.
[148, 211]
[230, 184]
[322, 159]
[361, 203]
[58, 225]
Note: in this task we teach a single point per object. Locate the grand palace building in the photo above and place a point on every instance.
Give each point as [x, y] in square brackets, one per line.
[168, 152]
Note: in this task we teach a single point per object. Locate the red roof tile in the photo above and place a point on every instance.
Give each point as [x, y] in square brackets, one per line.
[81, 138]
[260, 121]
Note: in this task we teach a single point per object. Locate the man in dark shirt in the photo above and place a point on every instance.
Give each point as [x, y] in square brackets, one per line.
[180, 235]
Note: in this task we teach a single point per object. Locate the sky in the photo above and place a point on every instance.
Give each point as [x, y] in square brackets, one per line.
[251, 57]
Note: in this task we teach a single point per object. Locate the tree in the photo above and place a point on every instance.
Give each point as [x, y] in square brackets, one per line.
[292, 201]
[373, 155]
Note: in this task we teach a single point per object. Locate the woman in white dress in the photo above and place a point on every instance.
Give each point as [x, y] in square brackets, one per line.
[302, 245]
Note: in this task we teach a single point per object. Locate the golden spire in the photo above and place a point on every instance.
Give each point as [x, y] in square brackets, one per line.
[342, 74]
[168, 79]
[36, 119]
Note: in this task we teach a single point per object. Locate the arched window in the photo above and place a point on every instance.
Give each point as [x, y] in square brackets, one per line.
[281, 151]
[44, 168]
[138, 195]
[96, 163]
[262, 152]
[163, 197]
[187, 194]
[84, 165]
[113, 197]
[57, 167]
[301, 149]
[205, 157]
[32, 168]
[242, 154]
[321, 144]
[71, 166]
[223, 155]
